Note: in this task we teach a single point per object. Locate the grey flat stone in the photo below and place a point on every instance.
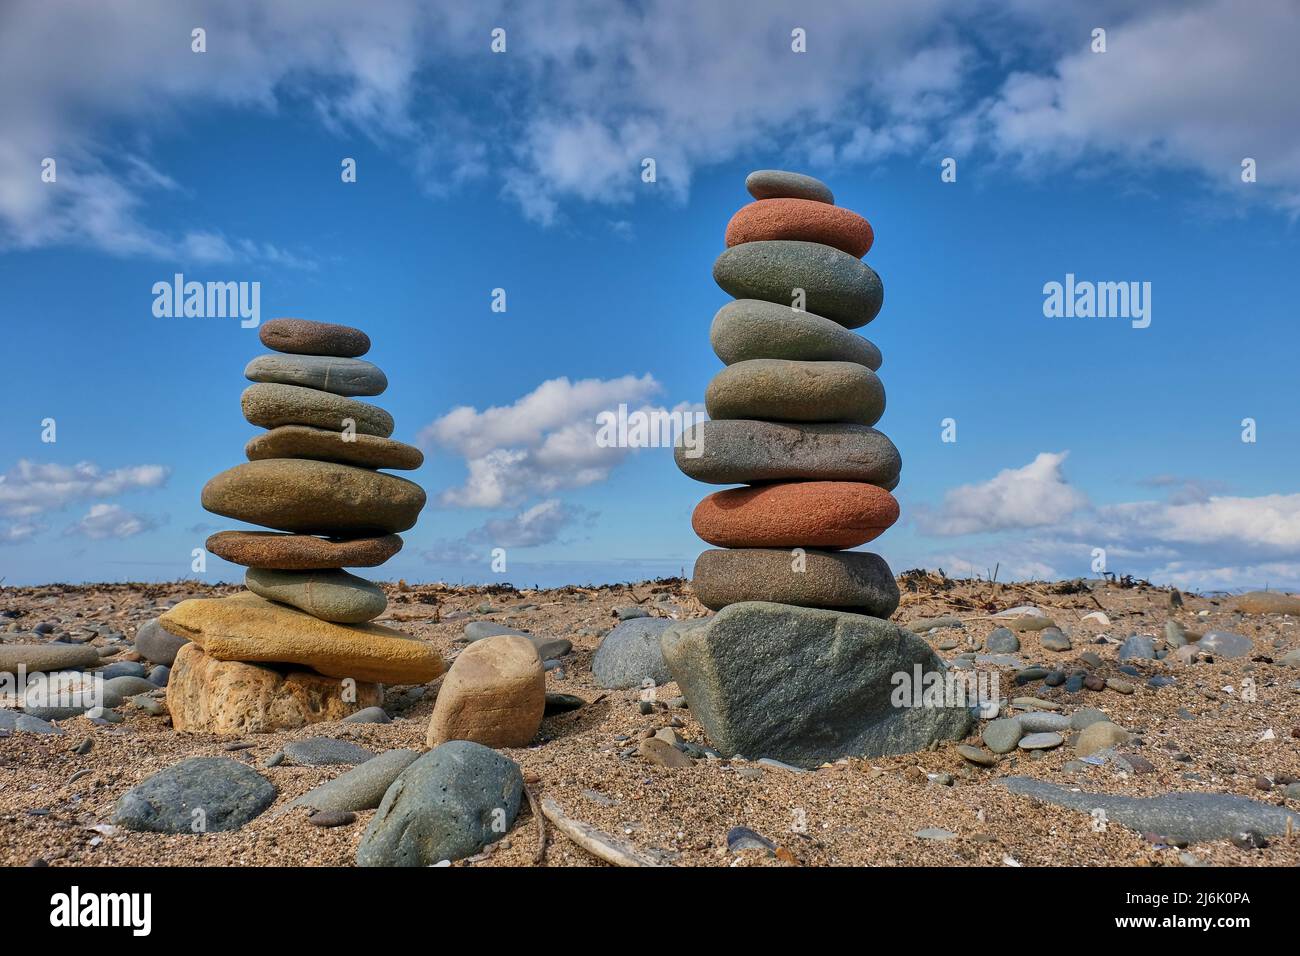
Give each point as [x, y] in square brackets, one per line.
[322, 751]
[1194, 817]
[341, 376]
[362, 787]
[201, 794]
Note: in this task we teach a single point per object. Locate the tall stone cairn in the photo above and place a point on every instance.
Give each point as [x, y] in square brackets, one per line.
[799, 663]
[297, 646]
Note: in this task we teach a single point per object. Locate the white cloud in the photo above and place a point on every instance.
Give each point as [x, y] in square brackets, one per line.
[30, 488]
[543, 443]
[538, 525]
[1028, 497]
[20, 532]
[1193, 538]
[586, 91]
[111, 521]
[1192, 86]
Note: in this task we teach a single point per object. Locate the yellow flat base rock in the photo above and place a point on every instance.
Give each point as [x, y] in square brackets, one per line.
[245, 627]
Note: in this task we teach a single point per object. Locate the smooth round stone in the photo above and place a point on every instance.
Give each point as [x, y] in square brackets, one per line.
[325, 751]
[845, 580]
[1002, 735]
[754, 329]
[274, 405]
[780, 390]
[735, 452]
[301, 552]
[329, 373]
[779, 184]
[810, 514]
[975, 755]
[304, 337]
[1041, 722]
[229, 792]
[154, 643]
[1043, 741]
[835, 284]
[1099, 736]
[1054, 639]
[805, 220]
[329, 595]
[1002, 641]
[314, 497]
[494, 694]
[321, 444]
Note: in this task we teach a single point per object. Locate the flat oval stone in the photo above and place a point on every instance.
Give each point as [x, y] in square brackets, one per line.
[847, 580]
[300, 552]
[806, 220]
[835, 284]
[46, 657]
[321, 444]
[780, 390]
[332, 595]
[1041, 741]
[329, 373]
[314, 497]
[779, 184]
[810, 514]
[247, 628]
[753, 329]
[304, 337]
[229, 792]
[273, 405]
[735, 451]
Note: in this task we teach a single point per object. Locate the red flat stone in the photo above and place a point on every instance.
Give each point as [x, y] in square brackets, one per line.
[803, 220]
[807, 514]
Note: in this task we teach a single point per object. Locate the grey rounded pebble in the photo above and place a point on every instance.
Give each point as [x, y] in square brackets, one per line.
[1002, 735]
[122, 669]
[630, 654]
[447, 805]
[340, 376]
[1054, 639]
[1002, 641]
[331, 595]
[362, 787]
[322, 751]
[1037, 722]
[780, 184]
[274, 405]
[781, 390]
[743, 452]
[368, 715]
[1042, 741]
[155, 643]
[201, 794]
[753, 329]
[835, 285]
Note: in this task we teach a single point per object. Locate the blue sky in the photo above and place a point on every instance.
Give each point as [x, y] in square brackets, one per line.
[521, 171]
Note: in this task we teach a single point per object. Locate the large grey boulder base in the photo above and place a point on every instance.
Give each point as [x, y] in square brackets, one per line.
[447, 805]
[806, 685]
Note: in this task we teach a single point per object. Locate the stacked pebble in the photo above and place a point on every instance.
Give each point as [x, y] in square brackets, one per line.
[791, 415]
[304, 394]
[313, 477]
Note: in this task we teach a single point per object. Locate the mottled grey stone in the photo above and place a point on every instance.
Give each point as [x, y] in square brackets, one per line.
[630, 654]
[1193, 817]
[341, 376]
[805, 685]
[447, 805]
[835, 284]
[753, 329]
[229, 794]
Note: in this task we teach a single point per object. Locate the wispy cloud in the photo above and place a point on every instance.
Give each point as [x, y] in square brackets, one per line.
[111, 521]
[30, 488]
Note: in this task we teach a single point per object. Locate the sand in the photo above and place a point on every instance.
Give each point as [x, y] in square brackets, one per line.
[854, 813]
